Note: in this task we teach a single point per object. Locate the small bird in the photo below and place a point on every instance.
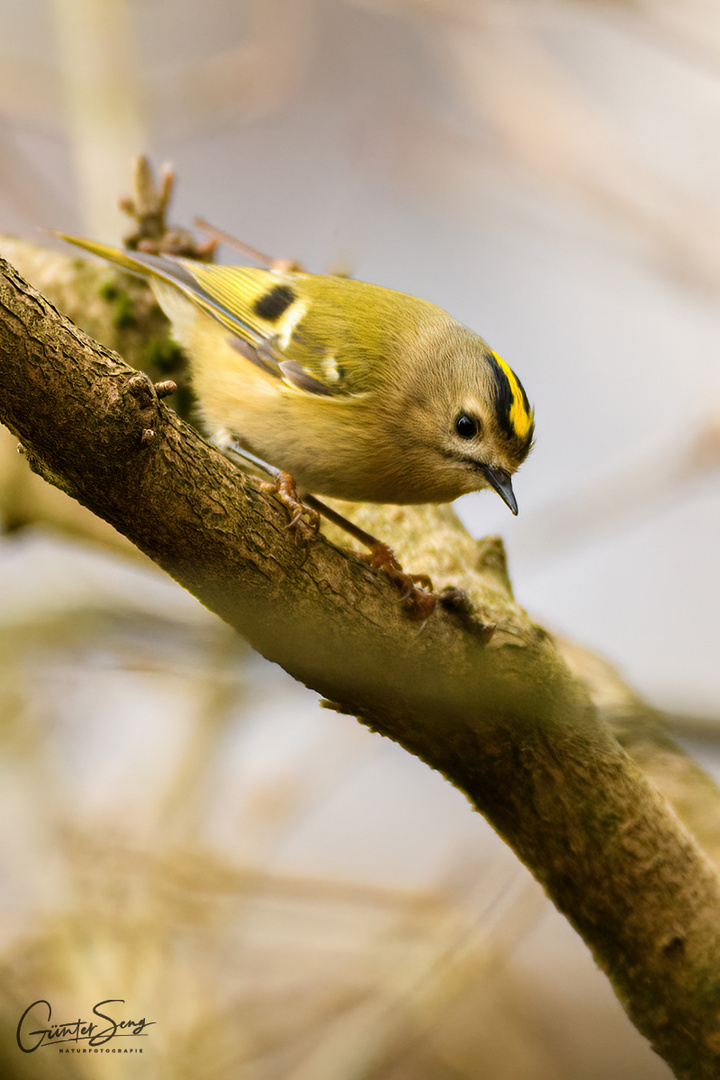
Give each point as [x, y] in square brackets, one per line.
[356, 391]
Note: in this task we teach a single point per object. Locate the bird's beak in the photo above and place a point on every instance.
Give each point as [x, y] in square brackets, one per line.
[500, 480]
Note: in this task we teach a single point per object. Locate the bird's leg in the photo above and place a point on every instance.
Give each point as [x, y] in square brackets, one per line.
[417, 597]
[303, 518]
[418, 601]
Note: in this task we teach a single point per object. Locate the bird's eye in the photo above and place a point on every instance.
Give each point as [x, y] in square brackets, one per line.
[466, 427]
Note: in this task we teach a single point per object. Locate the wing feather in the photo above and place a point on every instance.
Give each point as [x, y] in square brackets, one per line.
[302, 328]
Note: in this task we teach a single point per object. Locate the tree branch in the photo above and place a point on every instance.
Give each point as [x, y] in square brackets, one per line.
[482, 695]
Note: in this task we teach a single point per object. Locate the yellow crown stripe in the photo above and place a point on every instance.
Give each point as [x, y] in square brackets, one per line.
[520, 417]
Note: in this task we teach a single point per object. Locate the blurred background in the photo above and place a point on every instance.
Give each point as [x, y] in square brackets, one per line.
[283, 893]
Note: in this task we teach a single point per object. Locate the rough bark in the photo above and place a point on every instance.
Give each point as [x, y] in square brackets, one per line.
[483, 695]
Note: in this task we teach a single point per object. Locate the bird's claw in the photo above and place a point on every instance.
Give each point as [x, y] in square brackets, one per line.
[419, 602]
[303, 519]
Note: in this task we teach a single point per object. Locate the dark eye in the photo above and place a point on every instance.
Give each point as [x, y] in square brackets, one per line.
[466, 427]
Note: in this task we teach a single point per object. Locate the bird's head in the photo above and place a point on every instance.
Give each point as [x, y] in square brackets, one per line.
[471, 411]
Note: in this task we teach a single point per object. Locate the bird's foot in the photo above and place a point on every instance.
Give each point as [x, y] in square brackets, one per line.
[417, 596]
[303, 519]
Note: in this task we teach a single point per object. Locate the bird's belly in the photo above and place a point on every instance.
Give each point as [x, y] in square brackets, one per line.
[329, 446]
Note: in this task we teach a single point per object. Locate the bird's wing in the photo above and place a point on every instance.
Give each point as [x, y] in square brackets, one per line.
[302, 328]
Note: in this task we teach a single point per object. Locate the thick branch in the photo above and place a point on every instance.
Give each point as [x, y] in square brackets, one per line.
[497, 712]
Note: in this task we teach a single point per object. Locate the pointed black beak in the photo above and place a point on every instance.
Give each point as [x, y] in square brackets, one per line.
[500, 480]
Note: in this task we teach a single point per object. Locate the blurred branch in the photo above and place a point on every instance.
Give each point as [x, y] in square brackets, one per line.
[688, 31]
[480, 693]
[547, 124]
[100, 83]
[643, 732]
[248, 80]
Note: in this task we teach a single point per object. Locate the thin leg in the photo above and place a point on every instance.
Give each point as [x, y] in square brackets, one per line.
[350, 527]
[302, 517]
[381, 555]
[419, 602]
[225, 442]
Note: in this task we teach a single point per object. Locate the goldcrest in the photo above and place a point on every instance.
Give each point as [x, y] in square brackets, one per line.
[356, 391]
